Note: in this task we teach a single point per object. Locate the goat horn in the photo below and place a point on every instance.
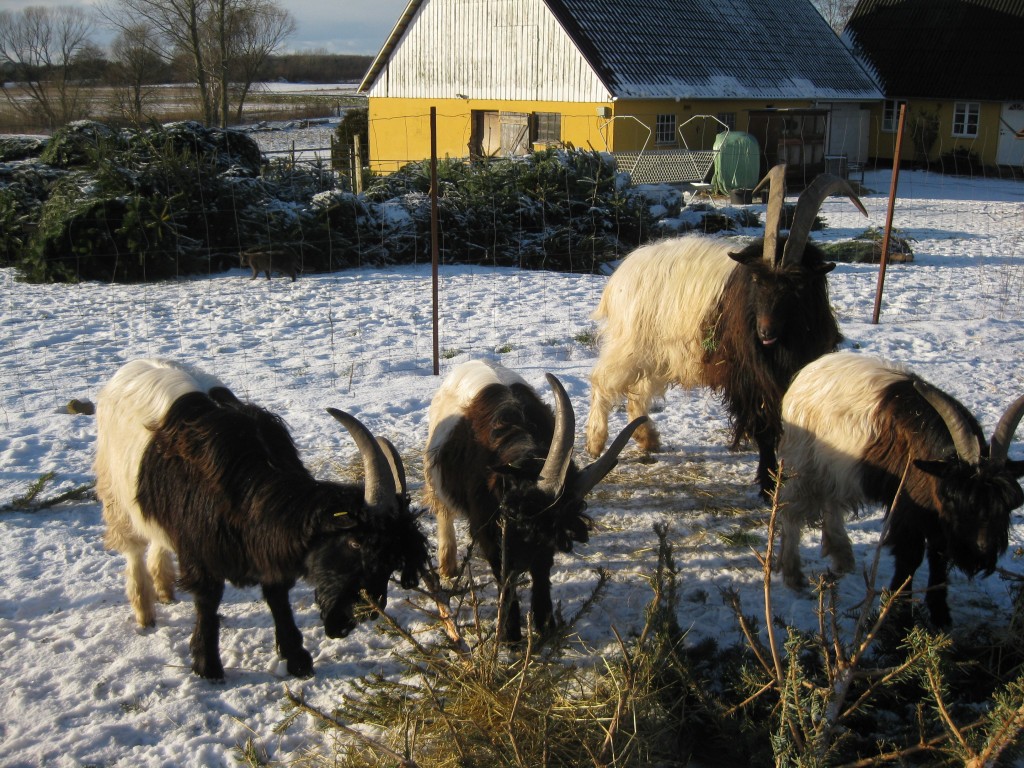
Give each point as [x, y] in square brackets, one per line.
[776, 180]
[552, 475]
[1000, 445]
[395, 460]
[595, 473]
[379, 485]
[964, 439]
[807, 207]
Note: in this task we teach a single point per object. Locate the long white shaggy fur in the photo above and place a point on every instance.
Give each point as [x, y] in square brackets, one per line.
[651, 331]
[133, 402]
[828, 417]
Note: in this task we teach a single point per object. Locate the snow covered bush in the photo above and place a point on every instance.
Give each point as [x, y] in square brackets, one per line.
[178, 199]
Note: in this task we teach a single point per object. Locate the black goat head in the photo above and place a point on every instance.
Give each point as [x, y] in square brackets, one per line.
[548, 506]
[979, 487]
[362, 549]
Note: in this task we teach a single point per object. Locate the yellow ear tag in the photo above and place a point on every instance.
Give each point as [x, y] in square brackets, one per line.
[340, 514]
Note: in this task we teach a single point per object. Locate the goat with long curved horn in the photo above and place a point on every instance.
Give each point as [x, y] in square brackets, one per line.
[959, 423]
[379, 482]
[776, 181]
[235, 503]
[498, 456]
[807, 207]
[552, 474]
[1003, 433]
[852, 422]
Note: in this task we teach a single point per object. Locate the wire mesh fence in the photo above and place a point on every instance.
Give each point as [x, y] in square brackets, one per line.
[967, 234]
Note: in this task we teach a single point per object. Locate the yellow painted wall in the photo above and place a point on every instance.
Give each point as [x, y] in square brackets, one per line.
[400, 128]
[882, 144]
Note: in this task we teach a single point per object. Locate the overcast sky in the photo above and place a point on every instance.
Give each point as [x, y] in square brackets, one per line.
[337, 26]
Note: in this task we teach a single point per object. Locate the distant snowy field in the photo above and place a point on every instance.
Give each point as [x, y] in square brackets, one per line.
[81, 685]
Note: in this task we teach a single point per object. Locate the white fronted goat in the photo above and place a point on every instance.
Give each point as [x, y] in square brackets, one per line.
[694, 312]
[852, 426]
[183, 466]
[498, 456]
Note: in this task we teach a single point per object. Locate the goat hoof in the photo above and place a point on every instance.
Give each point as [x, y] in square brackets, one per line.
[212, 672]
[795, 581]
[939, 616]
[301, 665]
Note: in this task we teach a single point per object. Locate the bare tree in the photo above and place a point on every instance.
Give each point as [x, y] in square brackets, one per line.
[138, 63]
[259, 31]
[836, 12]
[43, 45]
[181, 25]
[219, 38]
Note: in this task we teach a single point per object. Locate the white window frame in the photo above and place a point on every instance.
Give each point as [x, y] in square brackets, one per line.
[966, 119]
[891, 115]
[728, 119]
[665, 129]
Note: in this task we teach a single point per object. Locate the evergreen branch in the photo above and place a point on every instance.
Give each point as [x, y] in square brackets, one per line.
[766, 570]
[753, 641]
[620, 704]
[30, 501]
[526, 661]
[750, 699]
[1008, 728]
[300, 705]
[935, 685]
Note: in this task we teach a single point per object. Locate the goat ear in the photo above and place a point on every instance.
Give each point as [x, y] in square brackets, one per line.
[940, 469]
[339, 521]
[1015, 468]
[825, 268]
[519, 470]
[745, 257]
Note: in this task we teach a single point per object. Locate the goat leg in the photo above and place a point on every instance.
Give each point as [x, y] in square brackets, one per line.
[935, 598]
[767, 463]
[540, 575]
[286, 633]
[205, 643]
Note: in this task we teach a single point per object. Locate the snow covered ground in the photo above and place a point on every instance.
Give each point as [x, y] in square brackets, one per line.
[81, 685]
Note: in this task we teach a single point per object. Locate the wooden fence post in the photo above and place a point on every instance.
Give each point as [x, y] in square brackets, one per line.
[434, 255]
[883, 260]
[357, 172]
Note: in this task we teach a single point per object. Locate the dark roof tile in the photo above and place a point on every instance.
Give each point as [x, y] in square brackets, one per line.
[942, 49]
[738, 48]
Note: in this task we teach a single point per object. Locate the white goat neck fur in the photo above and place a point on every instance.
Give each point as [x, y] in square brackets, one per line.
[828, 417]
[655, 327]
[448, 406]
[837, 395]
[131, 404]
[458, 390]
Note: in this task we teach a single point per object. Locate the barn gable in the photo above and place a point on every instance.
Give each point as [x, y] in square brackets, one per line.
[599, 50]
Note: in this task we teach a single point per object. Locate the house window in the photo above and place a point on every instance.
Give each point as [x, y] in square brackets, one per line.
[966, 115]
[728, 118]
[665, 129]
[547, 128]
[891, 115]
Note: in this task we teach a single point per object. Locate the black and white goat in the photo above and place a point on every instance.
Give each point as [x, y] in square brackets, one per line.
[183, 466]
[693, 312]
[498, 456]
[852, 424]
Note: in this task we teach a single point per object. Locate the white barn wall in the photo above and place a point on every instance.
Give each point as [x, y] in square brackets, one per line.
[487, 49]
